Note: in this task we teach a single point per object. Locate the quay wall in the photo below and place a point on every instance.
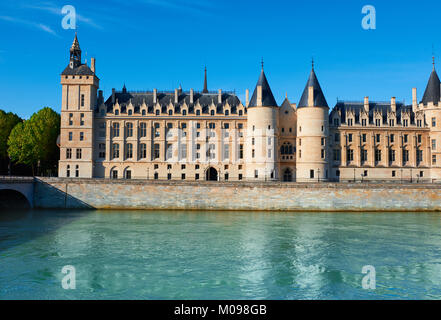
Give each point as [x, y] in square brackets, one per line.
[59, 193]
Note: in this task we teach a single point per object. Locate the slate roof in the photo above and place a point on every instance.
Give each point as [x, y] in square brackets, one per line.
[382, 107]
[166, 98]
[267, 95]
[432, 93]
[82, 70]
[319, 97]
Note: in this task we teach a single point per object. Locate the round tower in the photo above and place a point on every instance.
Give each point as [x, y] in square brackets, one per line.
[312, 133]
[262, 125]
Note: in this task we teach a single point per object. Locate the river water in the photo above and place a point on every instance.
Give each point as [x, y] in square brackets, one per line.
[219, 255]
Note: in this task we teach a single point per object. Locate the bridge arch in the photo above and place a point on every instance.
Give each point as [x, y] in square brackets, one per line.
[13, 199]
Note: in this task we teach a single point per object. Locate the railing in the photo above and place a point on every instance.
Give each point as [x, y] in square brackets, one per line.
[16, 178]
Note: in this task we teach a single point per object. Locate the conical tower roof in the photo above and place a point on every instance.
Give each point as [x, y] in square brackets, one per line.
[432, 93]
[319, 97]
[267, 95]
[75, 44]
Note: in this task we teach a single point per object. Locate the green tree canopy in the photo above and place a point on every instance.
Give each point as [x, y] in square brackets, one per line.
[35, 139]
[7, 122]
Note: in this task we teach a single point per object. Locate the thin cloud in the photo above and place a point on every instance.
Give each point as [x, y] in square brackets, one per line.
[55, 10]
[31, 24]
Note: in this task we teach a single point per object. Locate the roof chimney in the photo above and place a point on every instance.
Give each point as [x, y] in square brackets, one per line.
[113, 95]
[393, 104]
[310, 96]
[92, 65]
[176, 96]
[259, 101]
[191, 96]
[219, 96]
[247, 98]
[155, 96]
[414, 99]
[366, 104]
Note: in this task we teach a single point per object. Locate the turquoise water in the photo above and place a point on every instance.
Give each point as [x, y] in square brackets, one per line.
[207, 255]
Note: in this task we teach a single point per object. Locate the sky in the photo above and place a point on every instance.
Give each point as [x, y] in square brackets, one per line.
[162, 44]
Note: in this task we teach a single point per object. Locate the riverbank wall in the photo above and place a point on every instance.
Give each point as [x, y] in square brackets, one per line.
[58, 193]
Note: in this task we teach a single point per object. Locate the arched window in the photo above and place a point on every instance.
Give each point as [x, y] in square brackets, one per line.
[212, 112]
[184, 112]
[143, 112]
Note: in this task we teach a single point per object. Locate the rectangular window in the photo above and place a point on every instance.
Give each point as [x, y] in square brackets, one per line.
[350, 155]
[337, 155]
[350, 137]
[69, 153]
[157, 132]
[392, 138]
[393, 174]
[169, 154]
[241, 151]
[70, 119]
[433, 159]
[323, 154]
[378, 122]
[183, 151]
[350, 122]
[129, 129]
[433, 122]
[115, 130]
[433, 144]
[311, 174]
[405, 155]
[419, 137]
[226, 152]
[363, 155]
[70, 136]
[391, 155]
[143, 151]
[79, 153]
[378, 138]
[115, 151]
[323, 141]
[391, 122]
[81, 136]
[256, 174]
[211, 151]
[363, 122]
[405, 138]
[419, 155]
[82, 119]
[156, 149]
[143, 130]
[377, 155]
[82, 100]
[129, 151]
[363, 137]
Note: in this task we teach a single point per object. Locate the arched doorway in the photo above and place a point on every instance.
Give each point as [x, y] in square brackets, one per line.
[211, 174]
[287, 175]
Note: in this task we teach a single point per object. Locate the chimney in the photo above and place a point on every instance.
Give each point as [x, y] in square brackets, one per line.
[176, 96]
[366, 104]
[219, 96]
[155, 96]
[414, 99]
[191, 96]
[310, 96]
[92, 65]
[113, 95]
[259, 101]
[247, 98]
[393, 104]
[100, 95]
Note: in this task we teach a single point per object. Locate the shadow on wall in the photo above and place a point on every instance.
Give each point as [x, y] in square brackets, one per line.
[13, 200]
[47, 196]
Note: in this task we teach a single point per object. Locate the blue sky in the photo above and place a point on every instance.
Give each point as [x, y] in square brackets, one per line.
[161, 44]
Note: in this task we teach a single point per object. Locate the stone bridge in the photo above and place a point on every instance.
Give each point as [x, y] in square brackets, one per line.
[16, 192]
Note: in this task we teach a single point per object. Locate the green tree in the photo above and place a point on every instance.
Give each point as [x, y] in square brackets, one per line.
[7, 122]
[34, 141]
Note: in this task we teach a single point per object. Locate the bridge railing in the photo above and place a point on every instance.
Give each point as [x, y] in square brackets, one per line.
[16, 179]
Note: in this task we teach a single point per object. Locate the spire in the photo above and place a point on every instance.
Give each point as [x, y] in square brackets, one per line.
[319, 97]
[267, 95]
[432, 93]
[75, 53]
[205, 82]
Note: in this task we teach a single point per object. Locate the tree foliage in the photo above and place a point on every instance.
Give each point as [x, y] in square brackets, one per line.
[34, 140]
[7, 122]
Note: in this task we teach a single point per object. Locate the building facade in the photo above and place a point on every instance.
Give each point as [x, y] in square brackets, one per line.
[206, 135]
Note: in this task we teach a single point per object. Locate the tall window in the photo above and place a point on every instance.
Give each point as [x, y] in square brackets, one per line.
[68, 171]
[70, 136]
[81, 136]
[129, 151]
[363, 137]
[392, 138]
[115, 130]
[391, 155]
[115, 151]
[69, 153]
[70, 119]
[183, 151]
[143, 129]
[337, 155]
[350, 137]
[419, 155]
[77, 171]
[405, 155]
[350, 155]
[82, 100]
[363, 155]
[377, 155]
[363, 122]
[350, 122]
[143, 151]
[241, 151]
[156, 149]
[157, 132]
[129, 130]
[433, 144]
[79, 153]
[82, 119]
[169, 151]
[433, 159]
[433, 122]
[226, 152]
[378, 138]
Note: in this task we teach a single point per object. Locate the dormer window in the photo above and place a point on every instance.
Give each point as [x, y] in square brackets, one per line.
[391, 122]
[130, 112]
[350, 122]
[116, 112]
[378, 122]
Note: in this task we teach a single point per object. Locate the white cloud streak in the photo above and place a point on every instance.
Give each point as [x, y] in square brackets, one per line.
[30, 24]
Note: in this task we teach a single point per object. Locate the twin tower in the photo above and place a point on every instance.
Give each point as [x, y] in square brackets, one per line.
[271, 127]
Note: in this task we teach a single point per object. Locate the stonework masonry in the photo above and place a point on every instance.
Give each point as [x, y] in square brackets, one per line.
[60, 193]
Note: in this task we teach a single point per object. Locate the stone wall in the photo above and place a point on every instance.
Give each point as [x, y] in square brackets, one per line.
[159, 195]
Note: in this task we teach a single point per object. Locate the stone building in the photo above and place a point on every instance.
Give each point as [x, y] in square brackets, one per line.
[212, 135]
